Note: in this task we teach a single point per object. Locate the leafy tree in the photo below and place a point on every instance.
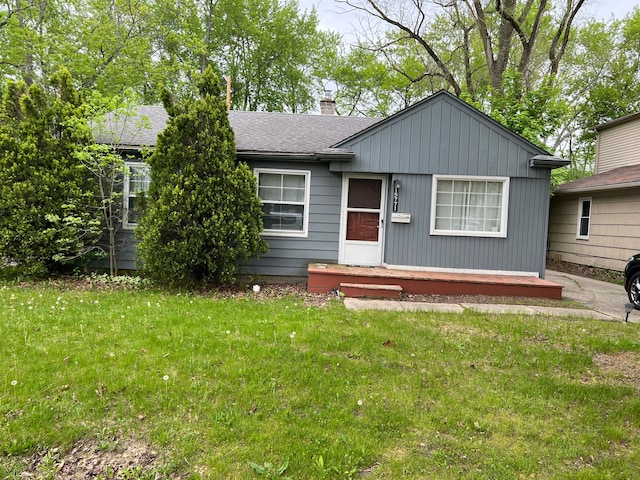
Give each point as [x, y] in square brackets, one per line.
[599, 81]
[274, 54]
[367, 86]
[105, 44]
[202, 214]
[47, 200]
[471, 45]
[113, 121]
[503, 56]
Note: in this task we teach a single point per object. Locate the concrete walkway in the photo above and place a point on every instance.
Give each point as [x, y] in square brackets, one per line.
[604, 301]
[603, 297]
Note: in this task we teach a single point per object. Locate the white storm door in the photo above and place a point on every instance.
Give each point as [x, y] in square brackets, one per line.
[362, 220]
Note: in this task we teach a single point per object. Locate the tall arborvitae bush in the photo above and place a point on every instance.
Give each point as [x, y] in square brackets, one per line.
[48, 205]
[202, 213]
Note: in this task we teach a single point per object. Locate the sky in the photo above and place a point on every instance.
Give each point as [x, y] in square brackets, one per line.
[337, 17]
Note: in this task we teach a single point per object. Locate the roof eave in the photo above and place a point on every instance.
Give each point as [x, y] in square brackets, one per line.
[328, 155]
[598, 188]
[616, 121]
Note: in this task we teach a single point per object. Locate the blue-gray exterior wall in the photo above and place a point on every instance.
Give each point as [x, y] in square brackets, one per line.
[523, 249]
[447, 137]
[443, 137]
[125, 251]
[287, 256]
[290, 256]
[435, 137]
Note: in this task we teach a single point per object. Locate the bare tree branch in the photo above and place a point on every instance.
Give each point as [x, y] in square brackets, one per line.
[562, 35]
[377, 11]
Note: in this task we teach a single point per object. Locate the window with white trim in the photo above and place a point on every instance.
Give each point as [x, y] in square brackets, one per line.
[584, 218]
[469, 206]
[136, 182]
[285, 201]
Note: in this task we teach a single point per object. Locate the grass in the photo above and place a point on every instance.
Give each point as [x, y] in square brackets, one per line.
[239, 388]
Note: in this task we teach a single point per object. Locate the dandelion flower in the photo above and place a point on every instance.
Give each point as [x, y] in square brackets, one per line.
[14, 383]
[228, 332]
[165, 378]
[256, 288]
[360, 403]
[292, 335]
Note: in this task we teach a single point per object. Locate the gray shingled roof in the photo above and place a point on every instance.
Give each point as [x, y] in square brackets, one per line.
[263, 132]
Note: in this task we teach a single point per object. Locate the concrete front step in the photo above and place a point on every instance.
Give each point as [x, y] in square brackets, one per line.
[360, 290]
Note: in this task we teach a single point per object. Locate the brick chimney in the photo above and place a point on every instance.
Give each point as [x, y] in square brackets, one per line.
[327, 105]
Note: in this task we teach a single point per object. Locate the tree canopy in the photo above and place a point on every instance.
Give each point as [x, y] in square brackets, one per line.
[274, 53]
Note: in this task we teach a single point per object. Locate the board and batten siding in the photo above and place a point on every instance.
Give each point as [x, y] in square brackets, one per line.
[125, 251]
[523, 250]
[447, 137]
[444, 137]
[614, 233]
[618, 146]
[290, 256]
[287, 256]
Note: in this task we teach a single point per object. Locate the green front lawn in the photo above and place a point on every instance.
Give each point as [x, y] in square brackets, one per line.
[203, 386]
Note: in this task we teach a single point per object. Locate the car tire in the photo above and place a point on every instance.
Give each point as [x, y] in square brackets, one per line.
[634, 289]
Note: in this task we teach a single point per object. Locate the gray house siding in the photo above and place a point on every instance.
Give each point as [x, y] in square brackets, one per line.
[287, 256]
[290, 256]
[125, 252]
[441, 137]
[523, 250]
[444, 136]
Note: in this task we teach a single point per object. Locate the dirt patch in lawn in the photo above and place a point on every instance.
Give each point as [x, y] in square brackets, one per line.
[89, 458]
[622, 368]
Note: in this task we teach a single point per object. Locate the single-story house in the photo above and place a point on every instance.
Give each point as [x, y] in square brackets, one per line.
[437, 187]
[595, 221]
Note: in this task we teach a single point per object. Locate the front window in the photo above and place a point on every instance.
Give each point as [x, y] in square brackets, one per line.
[285, 201]
[136, 184]
[584, 218]
[469, 206]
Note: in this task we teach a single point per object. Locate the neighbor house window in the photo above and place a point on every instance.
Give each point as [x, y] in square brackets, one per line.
[136, 183]
[584, 218]
[285, 201]
[469, 206]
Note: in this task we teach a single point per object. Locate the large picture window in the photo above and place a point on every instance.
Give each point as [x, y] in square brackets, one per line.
[584, 218]
[285, 201]
[469, 206]
[136, 182]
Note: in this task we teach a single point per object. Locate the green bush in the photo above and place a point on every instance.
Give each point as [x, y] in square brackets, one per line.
[48, 206]
[202, 214]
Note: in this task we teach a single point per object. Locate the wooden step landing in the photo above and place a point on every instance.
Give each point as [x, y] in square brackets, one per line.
[371, 290]
[324, 278]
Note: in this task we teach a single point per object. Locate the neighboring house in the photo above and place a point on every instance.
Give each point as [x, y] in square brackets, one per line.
[438, 186]
[595, 221]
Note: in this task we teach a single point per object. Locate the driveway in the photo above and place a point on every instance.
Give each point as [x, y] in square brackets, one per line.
[604, 297]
